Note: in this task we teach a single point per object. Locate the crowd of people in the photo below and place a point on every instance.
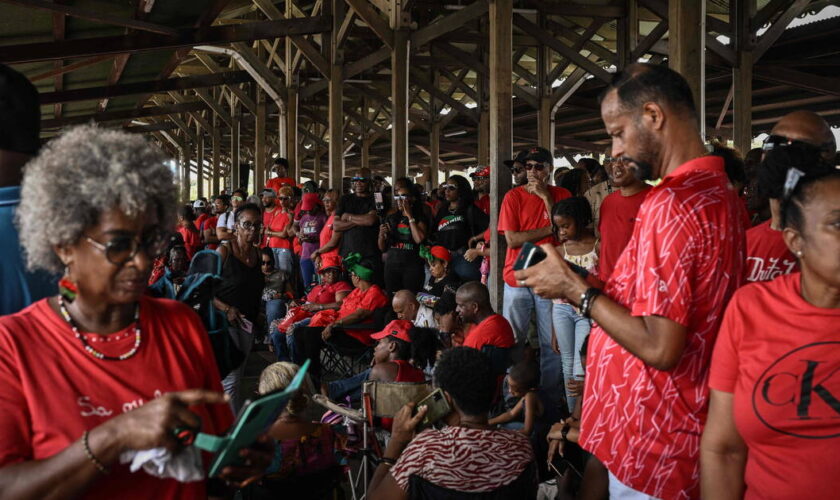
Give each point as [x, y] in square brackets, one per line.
[677, 340]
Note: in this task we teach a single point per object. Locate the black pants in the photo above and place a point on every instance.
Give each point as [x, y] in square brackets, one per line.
[309, 343]
[404, 276]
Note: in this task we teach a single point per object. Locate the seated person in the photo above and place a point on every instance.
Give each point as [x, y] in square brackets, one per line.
[467, 454]
[175, 268]
[357, 308]
[277, 291]
[442, 278]
[488, 328]
[521, 399]
[326, 295]
[450, 327]
[401, 352]
[305, 462]
[406, 306]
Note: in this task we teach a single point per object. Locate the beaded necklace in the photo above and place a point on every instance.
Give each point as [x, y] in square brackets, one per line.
[93, 352]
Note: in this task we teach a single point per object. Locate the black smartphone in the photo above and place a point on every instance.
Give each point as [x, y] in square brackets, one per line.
[531, 254]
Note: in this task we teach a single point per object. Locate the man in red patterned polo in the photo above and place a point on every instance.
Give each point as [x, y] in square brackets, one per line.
[646, 392]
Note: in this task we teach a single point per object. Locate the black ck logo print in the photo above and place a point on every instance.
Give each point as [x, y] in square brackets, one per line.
[799, 394]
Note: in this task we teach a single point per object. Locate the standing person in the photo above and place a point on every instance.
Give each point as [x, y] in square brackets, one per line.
[280, 170]
[618, 214]
[201, 215]
[481, 180]
[186, 228]
[571, 218]
[20, 125]
[525, 217]
[221, 204]
[329, 239]
[456, 222]
[279, 231]
[400, 236]
[576, 181]
[309, 227]
[797, 140]
[239, 293]
[226, 222]
[357, 220]
[102, 368]
[774, 369]
[271, 209]
[517, 168]
[658, 316]
[601, 187]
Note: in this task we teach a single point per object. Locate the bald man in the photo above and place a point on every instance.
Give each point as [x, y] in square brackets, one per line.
[406, 307]
[805, 126]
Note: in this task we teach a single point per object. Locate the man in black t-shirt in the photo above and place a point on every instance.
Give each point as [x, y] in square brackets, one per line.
[356, 218]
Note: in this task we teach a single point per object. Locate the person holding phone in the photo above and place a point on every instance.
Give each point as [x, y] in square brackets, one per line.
[400, 236]
[455, 223]
[467, 454]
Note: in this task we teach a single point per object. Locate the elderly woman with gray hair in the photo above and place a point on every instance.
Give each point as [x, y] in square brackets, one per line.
[101, 369]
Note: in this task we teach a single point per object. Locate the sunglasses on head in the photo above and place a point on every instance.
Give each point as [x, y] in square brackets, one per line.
[539, 167]
[121, 249]
[779, 141]
[250, 226]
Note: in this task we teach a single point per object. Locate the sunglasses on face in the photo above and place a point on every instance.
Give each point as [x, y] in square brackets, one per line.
[122, 249]
[539, 167]
[779, 141]
[284, 198]
[359, 179]
[237, 198]
[450, 187]
[250, 226]
[399, 197]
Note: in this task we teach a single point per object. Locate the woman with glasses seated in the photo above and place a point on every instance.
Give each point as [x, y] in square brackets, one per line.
[400, 236]
[102, 369]
[239, 293]
[456, 222]
[356, 308]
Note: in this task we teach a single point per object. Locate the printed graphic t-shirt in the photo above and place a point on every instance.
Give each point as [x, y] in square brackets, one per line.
[767, 255]
[684, 261]
[780, 357]
[52, 390]
[522, 211]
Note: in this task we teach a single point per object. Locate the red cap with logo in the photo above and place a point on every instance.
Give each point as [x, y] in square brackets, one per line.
[398, 328]
[481, 172]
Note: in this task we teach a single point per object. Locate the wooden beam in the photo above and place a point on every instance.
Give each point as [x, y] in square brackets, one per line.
[399, 100]
[741, 12]
[259, 142]
[123, 115]
[336, 98]
[59, 28]
[67, 68]
[240, 94]
[450, 23]
[97, 15]
[501, 133]
[140, 42]
[373, 20]
[217, 108]
[577, 10]
[153, 86]
[798, 79]
[235, 130]
[685, 45]
[778, 28]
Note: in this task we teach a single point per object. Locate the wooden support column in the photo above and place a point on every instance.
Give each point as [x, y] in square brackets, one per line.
[685, 44]
[336, 97]
[292, 130]
[316, 166]
[259, 142]
[185, 171]
[217, 147]
[501, 133]
[399, 104]
[483, 156]
[741, 11]
[236, 113]
[434, 157]
[199, 163]
[365, 161]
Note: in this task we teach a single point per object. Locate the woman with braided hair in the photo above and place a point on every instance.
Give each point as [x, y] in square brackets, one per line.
[357, 307]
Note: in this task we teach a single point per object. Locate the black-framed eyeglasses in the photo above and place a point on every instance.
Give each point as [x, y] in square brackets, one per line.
[774, 141]
[250, 226]
[539, 167]
[121, 249]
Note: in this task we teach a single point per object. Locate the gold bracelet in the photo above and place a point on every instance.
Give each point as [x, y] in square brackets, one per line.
[99, 465]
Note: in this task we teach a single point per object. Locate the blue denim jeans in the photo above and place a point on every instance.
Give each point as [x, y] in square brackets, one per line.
[517, 307]
[352, 387]
[307, 271]
[571, 329]
[283, 259]
[274, 309]
[286, 342]
[466, 271]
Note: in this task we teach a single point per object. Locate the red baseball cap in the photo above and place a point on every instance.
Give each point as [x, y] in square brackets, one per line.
[310, 201]
[398, 328]
[329, 261]
[481, 172]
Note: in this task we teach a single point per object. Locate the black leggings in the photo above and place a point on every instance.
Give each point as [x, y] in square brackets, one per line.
[404, 276]
[309, 343]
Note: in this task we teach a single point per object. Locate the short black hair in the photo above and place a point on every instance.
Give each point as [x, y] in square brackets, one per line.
[424, 346]
[526, 374]
[266, 252]
[576, 207]
[465, 373]
[643, 82]
[591, 165]
[225, 199]
[252, 207]
[187, 212]
[241, 192]
[20, 113]
[281, 162]
[446, 303]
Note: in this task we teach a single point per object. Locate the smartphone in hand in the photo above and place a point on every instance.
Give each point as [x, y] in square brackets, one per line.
[531, 254]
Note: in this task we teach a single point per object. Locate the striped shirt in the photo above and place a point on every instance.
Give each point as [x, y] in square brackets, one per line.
[467, 460]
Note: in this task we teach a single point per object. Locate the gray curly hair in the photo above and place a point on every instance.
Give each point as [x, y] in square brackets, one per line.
[100, 169]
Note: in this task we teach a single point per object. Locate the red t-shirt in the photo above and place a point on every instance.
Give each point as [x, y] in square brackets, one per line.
[767, 255]
[683, 262]
[277, 221]
[198, 220]
[52, 390]
[495, 330]
[370, 300]
[192, 241]
[210, 223]
[483, 203]
[277, 182]
[617, 218]
[326, 235]
[522, 211]
[780, 358]
[325, 294]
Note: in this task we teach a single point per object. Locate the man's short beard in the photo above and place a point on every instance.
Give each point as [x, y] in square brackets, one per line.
[649, 153]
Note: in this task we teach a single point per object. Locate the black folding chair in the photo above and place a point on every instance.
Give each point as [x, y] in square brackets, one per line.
[346, 361]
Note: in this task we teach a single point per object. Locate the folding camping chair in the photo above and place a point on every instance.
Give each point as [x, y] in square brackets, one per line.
[348, 361]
